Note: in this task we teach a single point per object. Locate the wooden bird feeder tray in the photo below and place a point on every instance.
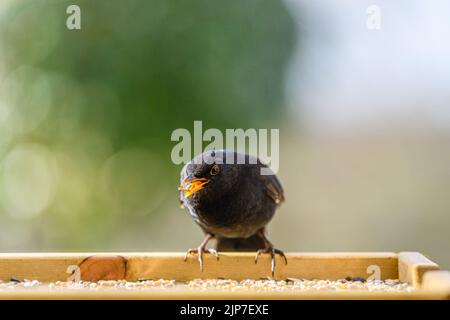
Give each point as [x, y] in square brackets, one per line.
[410, 267]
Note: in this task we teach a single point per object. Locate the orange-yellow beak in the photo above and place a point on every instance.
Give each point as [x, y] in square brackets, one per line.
[191, 186]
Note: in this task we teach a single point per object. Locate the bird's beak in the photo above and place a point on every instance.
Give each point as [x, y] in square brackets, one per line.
[191, 186]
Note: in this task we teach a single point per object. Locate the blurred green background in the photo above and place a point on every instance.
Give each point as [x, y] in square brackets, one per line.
[86, 117]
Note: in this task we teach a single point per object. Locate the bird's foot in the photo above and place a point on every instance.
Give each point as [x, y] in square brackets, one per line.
[200, 251]
[273, 252]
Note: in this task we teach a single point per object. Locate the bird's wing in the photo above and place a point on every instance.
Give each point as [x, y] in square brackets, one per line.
[273, 187]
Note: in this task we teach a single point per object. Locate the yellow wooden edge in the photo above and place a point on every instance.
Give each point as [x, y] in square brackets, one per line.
[183, 294]
[412, 266]
[53, 266]
[437, 281]
[407, 266]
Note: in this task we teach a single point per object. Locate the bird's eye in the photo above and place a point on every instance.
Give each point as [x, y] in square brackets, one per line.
[214, 170]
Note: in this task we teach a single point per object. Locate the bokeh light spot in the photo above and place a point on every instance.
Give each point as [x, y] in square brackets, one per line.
[27, 92]
[132, 181]
[28, 181]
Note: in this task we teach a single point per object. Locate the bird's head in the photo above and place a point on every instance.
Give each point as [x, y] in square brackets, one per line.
[208, 173]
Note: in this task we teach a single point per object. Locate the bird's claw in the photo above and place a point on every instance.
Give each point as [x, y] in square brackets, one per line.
[200, 251]
[273, 252]
[213, 252]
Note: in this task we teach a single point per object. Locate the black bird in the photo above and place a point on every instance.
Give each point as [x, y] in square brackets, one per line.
[231, 201]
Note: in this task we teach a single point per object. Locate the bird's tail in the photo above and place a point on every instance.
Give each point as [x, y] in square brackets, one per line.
[252, 243]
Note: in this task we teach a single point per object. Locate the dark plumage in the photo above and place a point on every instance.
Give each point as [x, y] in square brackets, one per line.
[230, 201]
